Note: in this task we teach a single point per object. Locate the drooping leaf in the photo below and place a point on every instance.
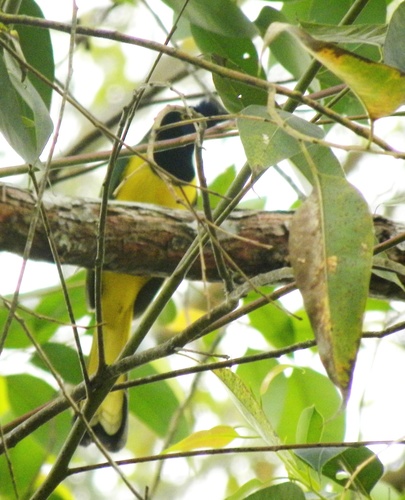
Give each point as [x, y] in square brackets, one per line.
[12, 125]
[217, 437]
[331, 245]
[24, 118]
[381, 88]
[357, 468]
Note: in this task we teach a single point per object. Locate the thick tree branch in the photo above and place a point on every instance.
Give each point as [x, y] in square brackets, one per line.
[149, 240]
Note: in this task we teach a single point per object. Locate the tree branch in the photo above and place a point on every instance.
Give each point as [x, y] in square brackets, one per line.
[148, 240]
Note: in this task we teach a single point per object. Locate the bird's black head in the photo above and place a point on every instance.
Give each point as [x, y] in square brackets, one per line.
[179, 161]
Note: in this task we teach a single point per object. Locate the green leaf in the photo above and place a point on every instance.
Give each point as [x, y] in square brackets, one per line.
[217, 437]
[62, 492]
[395, 39]
[32, 38]
[64, 360]
[310, 426]
[16, 336]
[248, 405]
[283, 491]
[24, 118]
[219, 16]
[251, 409]
[357, 468]
[234, 94]
[218, 187]
[318, 158]
[331, 247]
[373, 34]
[26, 460]
[287, 398]
[26, 393]
[253, 374]
[168, 315]
[237, 53]
[12, 125]
[155, 404]
[241, 51]
[300, 11]
[379, 305]
[277, 327]
[272, 322]
[266, 143]
[388, 269]
[288, 52]
[379, 87]
[245, 489]
[373, 11]
[48, 315]
[258, 203]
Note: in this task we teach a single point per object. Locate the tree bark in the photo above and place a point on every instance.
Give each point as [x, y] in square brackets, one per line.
[148, 240]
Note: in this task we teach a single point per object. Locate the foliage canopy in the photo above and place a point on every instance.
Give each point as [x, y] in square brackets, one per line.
[306, 88]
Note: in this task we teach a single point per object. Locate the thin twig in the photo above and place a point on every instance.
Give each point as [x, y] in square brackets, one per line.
[211, 227]
[242, 450]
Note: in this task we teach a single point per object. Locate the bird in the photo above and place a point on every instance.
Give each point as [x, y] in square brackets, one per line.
[125, 297]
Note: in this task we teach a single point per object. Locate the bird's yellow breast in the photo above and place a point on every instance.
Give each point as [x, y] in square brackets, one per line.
[141, 184]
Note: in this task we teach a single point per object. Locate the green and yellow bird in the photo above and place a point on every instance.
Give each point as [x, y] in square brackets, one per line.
[124, 297]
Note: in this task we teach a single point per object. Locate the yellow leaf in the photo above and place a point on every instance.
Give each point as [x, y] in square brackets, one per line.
[379, 87]
[183, 319]
[217, 437]
[4, 401]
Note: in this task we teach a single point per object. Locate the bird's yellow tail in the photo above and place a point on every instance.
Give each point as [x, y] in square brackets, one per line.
[119, 294]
